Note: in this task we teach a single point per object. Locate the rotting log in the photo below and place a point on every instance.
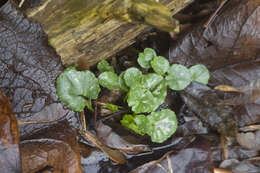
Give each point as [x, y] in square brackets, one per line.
[86, 31]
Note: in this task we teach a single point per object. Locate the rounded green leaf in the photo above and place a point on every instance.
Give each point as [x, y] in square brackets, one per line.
[178, 77]
[199, 73]
[145, 57]
[151, 80]
[122, 84]
[160, 65]
[129, 122]
[73, 86]
[104, 66]
[160, 93]
[162, 125]
[109, 80]
[133, 77]
[141, 100]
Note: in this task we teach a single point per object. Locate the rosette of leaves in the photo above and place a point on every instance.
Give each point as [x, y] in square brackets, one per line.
[144, 58]
[158, 125]
[74, 88]
[147, 92]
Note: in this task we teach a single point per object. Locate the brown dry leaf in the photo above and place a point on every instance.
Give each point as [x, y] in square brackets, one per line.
[113, 140]
[37, 154]
[29, 67]
[9, 138]
[53, 141]
[193, 159]
[233, 37]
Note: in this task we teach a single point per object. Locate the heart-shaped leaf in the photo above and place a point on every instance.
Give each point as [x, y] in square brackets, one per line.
[178, 77]
[133, 77]
[141, 100]
[109, 80]
[162, 125]
[73, 86]
[104, 66]
[145, 57]
[160, 65]
[199, 73]
[151, 80]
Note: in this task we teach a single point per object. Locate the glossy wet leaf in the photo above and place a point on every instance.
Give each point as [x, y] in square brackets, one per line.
[111, 138]
[160, 92]
[146, 57]
[162, 125]
[73, 86]
[160, 65]
[178, 77]
[104, 66]
[141, 100]
[133, 77]
[230, 39]
[151, 80]
[129, 122]
[29, 67]
[199, 73]
[109, 80]
[194, 158]
[122, 84]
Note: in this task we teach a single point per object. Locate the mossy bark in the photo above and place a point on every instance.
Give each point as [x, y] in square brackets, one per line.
[86, 31]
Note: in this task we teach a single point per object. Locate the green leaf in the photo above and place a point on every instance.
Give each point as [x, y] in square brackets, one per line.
[141, 100]
[151, 80]
[178, 77]
[199, 73]
[72, 86]
[160, 65]
[162, 125]
[109, 80]
[142, 123]
[104, 66]
[112, 107]
[129, 122]
[133, 77]
[145, 57]
[160, 93]
[122, 84]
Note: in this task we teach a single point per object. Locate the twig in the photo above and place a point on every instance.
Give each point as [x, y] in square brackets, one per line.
[223, 147]
[160, 166]
[214, 15]
[83, 121]
[169, 164]
[21, 3]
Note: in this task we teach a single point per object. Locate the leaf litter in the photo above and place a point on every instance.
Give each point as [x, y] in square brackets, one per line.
[228, 47]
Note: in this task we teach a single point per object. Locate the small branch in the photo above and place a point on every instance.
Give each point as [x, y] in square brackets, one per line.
[21, 3]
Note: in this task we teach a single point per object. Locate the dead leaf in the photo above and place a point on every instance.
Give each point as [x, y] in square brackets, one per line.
[113, 140]
[194, 158]
[29, 66]
[39, 153]
[232, 38]
[9, 138]
[56, 140]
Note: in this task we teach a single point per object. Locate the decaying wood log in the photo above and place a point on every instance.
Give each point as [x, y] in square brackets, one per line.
[87, 31]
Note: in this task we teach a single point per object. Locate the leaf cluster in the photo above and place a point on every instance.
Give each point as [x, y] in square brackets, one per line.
[144, 92]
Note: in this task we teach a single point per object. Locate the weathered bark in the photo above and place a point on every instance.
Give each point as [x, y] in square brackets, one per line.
[87, 31]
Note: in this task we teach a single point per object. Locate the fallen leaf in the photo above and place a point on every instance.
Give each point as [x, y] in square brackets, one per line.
[56, 144]
[37, 154]
[29, 67]
[9, 138]
[232, 38]
[113, 140]
[192, 159]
